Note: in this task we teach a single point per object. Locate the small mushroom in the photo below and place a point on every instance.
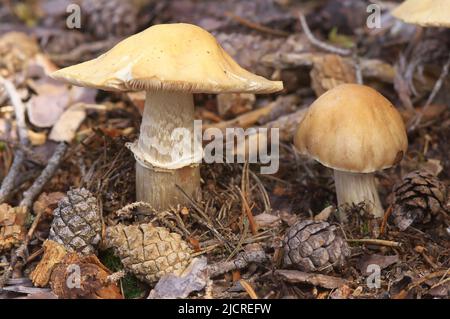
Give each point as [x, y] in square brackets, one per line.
[170, 62]
[426, 13]
[356, 131]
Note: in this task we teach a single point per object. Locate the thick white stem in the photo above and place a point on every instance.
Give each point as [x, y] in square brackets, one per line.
[354, 188]
[168, 152]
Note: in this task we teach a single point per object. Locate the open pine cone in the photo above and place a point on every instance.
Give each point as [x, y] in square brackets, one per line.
[77, 222]
[419, 198]
[147, 251]
[314, 246]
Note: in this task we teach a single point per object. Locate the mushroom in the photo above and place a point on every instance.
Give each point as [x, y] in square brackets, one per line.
[356, 131]
[426, 13]
[169, 62]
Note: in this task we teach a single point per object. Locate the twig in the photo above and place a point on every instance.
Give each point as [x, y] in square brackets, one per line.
[436, 89]
[379, 242]
[19, 108]
[46, 175]
[322, 45]
[385, 220]
[241, 261]
[256, 26]
[26, 203]
[420, 281]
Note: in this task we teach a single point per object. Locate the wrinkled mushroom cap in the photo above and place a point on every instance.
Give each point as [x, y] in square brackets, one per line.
[427, 13]
[176, 57]
[352, 128]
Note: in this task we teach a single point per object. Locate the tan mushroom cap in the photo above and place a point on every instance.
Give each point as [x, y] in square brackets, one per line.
[352, 128]
[427, 13]
[176, 57]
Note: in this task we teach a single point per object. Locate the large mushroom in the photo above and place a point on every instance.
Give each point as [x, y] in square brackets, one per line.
[170, 62]
[426, 13]
[356, 131]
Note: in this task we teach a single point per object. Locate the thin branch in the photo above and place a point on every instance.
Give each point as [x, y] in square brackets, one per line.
[256, 26]
[434, 92]
[19, 108]
[241, 261]
[379, 242]
[46, 175]
[320, 44]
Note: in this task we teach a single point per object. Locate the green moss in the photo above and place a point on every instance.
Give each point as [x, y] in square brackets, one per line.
[111, 261]
[132, 287]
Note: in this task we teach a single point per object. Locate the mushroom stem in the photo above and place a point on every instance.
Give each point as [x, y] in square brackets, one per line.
[168, 152]
[354, 188]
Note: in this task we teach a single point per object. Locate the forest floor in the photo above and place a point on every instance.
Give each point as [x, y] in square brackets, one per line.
[241, 211]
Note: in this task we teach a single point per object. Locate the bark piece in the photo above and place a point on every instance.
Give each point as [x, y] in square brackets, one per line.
[300, 277]
[53, 254]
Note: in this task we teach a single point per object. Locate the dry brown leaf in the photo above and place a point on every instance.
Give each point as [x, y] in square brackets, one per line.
[53, 254]
[379, 260]
[93, 279]
[266, 220]
[325, 213]
[12, 226]
[67, 124]
[46, 203]
[329, 71]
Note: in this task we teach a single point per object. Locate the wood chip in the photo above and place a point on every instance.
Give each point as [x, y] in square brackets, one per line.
[300, 277]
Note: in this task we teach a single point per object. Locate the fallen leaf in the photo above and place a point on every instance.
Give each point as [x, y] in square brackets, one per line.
[329, 71]
[266, 220]
[325, 213]
[12, 226]
[65, 128]
[193, 278]
[46, 203]
[379, 260]
[433, 166]
[52, 98]
[91, 283]
[341, 293]
[46, 107]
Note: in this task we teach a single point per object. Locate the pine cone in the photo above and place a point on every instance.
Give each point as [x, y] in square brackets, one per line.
[109, 18]
[148, 252]
[419, 198]
[77, 222]
[314, 246]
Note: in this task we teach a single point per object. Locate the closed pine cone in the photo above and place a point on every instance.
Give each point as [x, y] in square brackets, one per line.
[419, 198]
[77, 222]
[314, 246]
[147, 251]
